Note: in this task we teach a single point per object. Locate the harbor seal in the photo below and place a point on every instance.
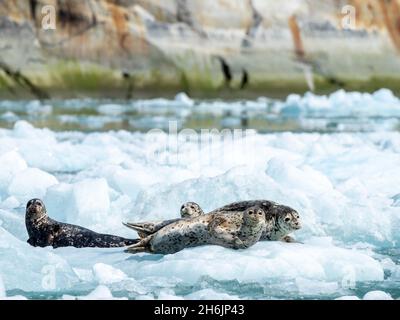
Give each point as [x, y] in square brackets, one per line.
[44, 231]
[188, 210]
[238, 230]
[191, 210]
[286, 219]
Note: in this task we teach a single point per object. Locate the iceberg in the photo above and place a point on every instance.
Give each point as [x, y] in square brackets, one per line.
[344, 185]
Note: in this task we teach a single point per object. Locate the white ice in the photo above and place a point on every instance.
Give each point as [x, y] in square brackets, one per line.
[345, 187]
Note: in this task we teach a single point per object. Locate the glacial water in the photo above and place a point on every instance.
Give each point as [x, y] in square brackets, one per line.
[335, 159]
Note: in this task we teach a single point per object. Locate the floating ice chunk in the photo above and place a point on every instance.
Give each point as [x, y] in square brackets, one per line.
[145, 297]
[304, 178]
[168, 294]
[2, 288]
[106, 274]
[41, 269]
[23, 129]
[385, 95]
[130, 182]
[10, 203]
[265, 260]
[184, 99]
[112, 109]
[17, 297]
[91, 201]
[13, 222]
[315, 287]
[85, 275]
[377, 295]
[210, 294]
[11, 163]
[348, 298]
[342, 104]
[9, 116]
[100, 293]
[58, 201]
[31, 183]
[37, 108]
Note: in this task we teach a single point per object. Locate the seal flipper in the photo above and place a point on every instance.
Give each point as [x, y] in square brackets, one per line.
[290, 239]
[32, 242]
[142, 245]
[145, 229]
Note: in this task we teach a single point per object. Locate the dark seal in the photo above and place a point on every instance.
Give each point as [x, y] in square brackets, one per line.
[44, 231]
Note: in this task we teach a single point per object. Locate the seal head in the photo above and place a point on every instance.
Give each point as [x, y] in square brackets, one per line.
[44, 231]
[191, 210]
[35, 210]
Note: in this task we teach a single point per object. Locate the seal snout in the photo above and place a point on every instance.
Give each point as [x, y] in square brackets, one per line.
[296, 221]
[297, 225]
[34, 205]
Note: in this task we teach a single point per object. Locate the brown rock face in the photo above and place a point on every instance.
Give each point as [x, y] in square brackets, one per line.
[206, 47]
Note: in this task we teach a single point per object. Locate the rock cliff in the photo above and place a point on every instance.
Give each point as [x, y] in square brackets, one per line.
[208, 48]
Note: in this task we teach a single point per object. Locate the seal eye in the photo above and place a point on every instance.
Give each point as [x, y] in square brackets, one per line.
[183, 206]
[260, 213]
[192, 207]
[251, 212]
[287, 219]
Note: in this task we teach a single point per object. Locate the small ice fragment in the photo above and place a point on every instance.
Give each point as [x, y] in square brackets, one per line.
[10, 203]
[106, 274]
[111, 109]
[184, 99]
[348, 298]
[91, 200]
[377, 295]
[31, 183]
[210, 294]
[168, 295]
[2, 288]
[100, 293]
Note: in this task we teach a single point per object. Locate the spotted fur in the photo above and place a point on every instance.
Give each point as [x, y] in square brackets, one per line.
[188, 210]
[273, 211]
[44, 231]
[237, 231]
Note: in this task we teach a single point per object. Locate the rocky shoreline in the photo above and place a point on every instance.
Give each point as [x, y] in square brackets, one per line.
[229, 49]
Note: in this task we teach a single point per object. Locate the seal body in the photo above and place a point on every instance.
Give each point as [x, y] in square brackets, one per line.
[286, 219]
[44, 231]
[188, 210]
[236, 231]
[239, 230]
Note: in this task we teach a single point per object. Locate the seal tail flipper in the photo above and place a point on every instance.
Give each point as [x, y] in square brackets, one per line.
[147, 228]
[141, 246]
[141, 228]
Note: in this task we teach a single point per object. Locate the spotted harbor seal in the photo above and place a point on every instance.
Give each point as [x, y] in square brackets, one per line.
[188, 210]
[238, 230]
[286, 219]
[44, 231]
